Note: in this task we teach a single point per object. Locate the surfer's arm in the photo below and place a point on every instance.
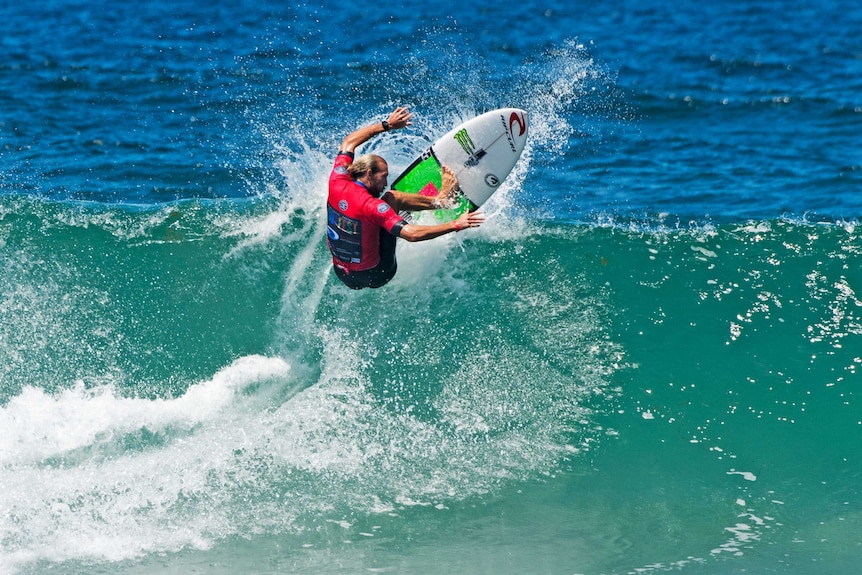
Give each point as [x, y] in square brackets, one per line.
[404, 202]
[399, 118]
[432, 200]
[417, 233]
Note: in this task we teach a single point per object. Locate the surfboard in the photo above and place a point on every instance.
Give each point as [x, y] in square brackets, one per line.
[482, 152]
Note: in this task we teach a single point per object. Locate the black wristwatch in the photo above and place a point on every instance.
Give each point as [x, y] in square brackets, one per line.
[385, 125]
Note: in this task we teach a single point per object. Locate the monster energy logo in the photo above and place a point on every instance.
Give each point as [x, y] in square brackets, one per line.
[473, 155]
[463, 138]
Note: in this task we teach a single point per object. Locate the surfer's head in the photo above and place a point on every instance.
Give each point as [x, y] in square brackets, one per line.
[371, 170]
[365, 162]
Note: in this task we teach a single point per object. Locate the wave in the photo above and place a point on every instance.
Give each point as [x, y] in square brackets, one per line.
[324, 403]
[175, 376]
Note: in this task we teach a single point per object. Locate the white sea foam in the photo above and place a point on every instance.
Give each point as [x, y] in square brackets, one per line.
[35, 425]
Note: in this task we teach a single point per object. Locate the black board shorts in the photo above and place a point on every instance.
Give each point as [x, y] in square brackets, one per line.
[377, 276]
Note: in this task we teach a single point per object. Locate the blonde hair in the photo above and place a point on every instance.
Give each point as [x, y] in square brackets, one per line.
[364, 163]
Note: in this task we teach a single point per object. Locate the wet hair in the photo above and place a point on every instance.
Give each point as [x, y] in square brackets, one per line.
[364, 163]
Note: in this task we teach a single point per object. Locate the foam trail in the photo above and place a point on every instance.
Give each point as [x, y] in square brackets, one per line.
[307, 274]
[300, 211]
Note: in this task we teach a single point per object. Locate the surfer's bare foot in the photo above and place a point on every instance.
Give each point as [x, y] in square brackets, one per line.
[449, 188]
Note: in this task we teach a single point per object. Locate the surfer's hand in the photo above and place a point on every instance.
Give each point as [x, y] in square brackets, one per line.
[449, 188]
[400, 118]
[469, 220]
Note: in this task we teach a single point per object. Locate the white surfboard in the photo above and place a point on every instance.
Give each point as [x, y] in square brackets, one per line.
[481, 151]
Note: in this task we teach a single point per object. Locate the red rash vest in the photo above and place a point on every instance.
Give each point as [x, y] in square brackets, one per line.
[354, 219]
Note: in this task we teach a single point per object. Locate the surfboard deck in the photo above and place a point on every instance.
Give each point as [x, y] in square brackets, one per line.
[482, 152]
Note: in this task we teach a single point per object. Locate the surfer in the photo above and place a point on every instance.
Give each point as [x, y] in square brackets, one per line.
[363, 222]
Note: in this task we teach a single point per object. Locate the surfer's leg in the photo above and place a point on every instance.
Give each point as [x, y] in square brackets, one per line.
[387, 267]
[354, 280]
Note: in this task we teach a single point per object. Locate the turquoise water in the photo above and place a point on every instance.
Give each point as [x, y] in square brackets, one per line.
[646, 360]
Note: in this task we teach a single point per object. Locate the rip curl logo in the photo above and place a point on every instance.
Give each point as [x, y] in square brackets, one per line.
[465, 141]
[517, 119]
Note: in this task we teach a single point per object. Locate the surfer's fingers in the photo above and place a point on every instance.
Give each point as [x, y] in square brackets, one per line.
[403, 111]
[400, 117]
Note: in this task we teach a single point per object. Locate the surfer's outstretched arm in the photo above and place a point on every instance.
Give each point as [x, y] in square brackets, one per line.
[420, 233]
[399, 118]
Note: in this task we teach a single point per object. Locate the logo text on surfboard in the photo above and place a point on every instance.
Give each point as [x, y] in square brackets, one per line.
[515, 119]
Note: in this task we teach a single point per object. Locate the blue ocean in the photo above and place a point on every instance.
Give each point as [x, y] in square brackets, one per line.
[645, 361]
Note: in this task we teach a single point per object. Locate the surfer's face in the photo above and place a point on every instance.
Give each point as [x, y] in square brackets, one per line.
[377, 181]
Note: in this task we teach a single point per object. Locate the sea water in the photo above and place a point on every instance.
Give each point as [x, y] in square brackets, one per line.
[645, 361]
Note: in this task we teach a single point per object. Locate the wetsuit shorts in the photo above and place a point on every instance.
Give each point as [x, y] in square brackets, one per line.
[377, 276]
